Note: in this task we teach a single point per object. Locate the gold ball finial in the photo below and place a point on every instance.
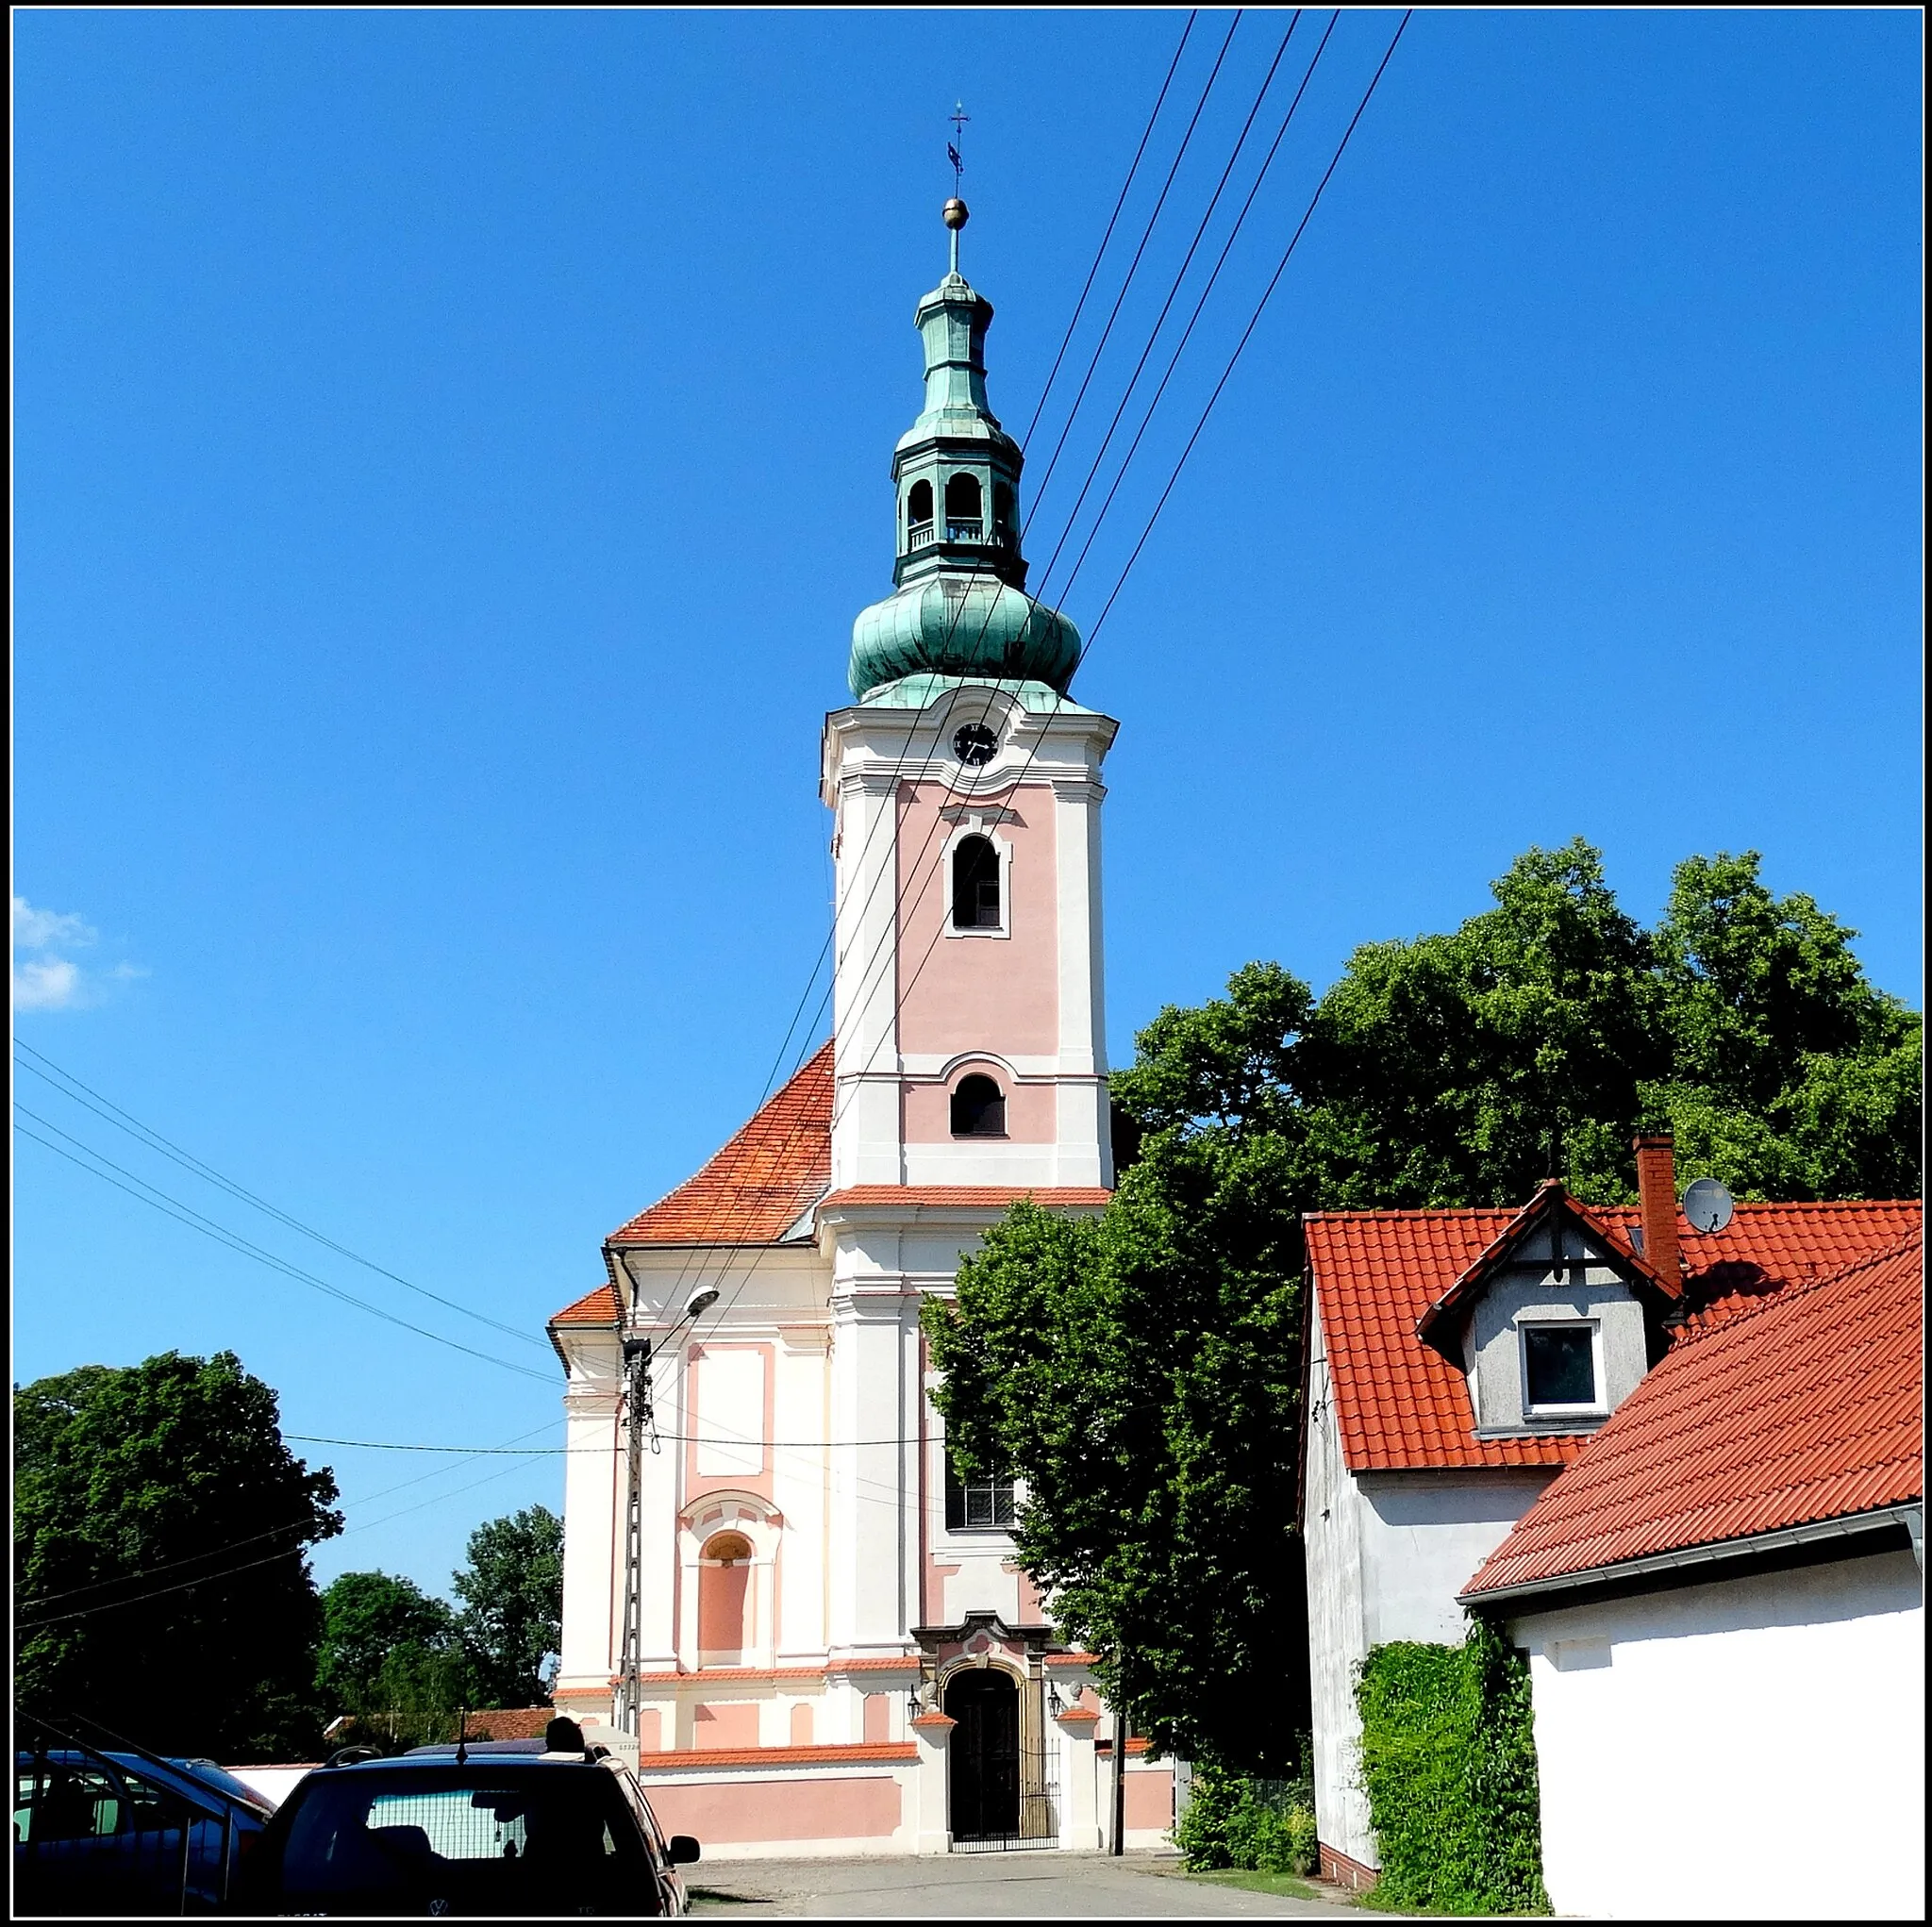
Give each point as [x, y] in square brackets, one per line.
[954, 214]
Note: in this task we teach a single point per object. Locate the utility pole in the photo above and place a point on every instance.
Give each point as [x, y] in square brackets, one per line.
[637, 1422]
[1120, 1724]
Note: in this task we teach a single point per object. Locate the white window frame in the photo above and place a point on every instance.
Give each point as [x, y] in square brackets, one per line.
[978, 826]
[1598, 1407]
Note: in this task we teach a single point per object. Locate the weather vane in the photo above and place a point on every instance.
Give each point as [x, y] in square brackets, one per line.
[958, 118]
[955, 214]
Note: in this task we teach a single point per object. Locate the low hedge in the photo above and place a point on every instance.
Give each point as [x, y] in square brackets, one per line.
[1448, 1763]
[1260, 1826]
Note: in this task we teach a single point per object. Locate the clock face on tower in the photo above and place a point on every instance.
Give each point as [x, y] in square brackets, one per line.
[974, 744]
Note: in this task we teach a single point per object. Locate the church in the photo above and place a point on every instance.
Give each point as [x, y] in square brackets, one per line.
[777, 1598]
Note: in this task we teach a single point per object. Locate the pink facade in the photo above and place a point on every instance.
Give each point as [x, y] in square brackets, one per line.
[731, 1723]
[958, 991]
[739, 1811]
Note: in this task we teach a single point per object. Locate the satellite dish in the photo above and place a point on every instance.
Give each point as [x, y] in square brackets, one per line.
[1707, 1205]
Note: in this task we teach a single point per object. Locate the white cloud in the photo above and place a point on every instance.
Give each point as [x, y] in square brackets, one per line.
[44, 978]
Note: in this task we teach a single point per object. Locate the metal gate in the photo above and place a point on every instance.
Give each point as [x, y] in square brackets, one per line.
[1039, 1803]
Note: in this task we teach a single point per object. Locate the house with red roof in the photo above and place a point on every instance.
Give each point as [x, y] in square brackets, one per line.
[778, 1598]
[1458, 1361]
[1721, 1598]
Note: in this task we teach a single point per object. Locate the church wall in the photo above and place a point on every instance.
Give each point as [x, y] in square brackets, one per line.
[963, 990]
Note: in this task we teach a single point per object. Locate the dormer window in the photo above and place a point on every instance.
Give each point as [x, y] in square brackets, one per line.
[919, 515]
[1561, 1376]
[979, 1108]
[964, 523]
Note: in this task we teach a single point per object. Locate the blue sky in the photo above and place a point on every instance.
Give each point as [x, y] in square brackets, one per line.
[451, 448]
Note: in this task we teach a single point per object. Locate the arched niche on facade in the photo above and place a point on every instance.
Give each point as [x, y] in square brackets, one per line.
[728, 1552]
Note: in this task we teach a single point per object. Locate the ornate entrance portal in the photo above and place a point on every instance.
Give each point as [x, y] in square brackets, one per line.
[983, 1775]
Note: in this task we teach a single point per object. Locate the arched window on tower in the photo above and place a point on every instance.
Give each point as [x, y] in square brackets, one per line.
[979, 1108]
[724, 1630]
[1003, 530]
[919, 515]
[976, 885]
[964, 523]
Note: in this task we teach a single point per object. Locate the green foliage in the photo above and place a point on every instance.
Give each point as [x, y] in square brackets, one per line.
[1258, 1826]
[512, 1616]
[1141, 1372]
[1448, 1763]
[393, 1659]
[158, 1532]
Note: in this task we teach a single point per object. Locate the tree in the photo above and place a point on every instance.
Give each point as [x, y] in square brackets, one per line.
[160, 1583]
[1138, 1372]
[393, 1659]
[512, 1594]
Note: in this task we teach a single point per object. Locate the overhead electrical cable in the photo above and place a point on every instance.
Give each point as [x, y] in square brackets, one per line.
[170, 1207]
[295, 1524]
[106, 1108]
[902, 762]
[887, 938]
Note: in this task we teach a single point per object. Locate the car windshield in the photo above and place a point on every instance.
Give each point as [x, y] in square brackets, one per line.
[462, 1839]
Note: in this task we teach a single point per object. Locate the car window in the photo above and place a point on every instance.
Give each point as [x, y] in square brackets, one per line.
[55, 1801]
[458, 1836]
[151, 1807]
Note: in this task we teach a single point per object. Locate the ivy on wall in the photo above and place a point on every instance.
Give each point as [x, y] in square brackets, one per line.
[1448, 1762]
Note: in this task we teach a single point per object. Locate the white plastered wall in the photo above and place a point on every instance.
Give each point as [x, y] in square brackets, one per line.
[1750, 1748]
[1387, 1553]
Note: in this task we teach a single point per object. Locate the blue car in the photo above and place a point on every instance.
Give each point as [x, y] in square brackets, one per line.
[122, 1833]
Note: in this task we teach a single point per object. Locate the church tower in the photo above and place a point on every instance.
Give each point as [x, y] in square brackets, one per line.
[965, 786]
[779, 1601]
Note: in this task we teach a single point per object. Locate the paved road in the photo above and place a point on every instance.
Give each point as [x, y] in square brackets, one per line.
[975, 1885]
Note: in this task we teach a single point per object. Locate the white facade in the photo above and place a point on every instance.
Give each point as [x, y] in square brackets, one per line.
[1748, 1747]
[804, 1605]
[1387, 1553]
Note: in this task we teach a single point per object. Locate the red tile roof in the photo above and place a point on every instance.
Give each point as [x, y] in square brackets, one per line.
[1401, 1404]
[598, 1307]
[1802, 1407]
[1442, 1319]
[759, 1186]
[968, 1197]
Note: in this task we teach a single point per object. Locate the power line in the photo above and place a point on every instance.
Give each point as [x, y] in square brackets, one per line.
[888, 939]
[146, 1134]
[232, 1572]
[901, 763]
[289, 1526]
[170, 1207]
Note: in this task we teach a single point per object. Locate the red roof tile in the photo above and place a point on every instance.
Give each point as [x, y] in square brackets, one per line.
[759, 1186]
[968, 1197]
[598, 1307]
[1804, 1406]
[1401, 1404]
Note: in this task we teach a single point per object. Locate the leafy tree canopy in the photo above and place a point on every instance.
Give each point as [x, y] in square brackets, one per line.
[159, 1524]
[512, 1594]
[367, 1619]
[1139, 1372]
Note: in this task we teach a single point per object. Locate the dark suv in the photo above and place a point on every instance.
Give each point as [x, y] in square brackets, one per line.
[479, 1832]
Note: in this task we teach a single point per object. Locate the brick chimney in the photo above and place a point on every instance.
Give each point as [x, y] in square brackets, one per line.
[1657, 1192]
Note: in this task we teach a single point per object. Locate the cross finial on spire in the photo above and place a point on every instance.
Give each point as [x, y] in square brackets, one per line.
[955, 214]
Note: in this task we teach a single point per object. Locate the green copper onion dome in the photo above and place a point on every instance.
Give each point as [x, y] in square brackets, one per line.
[960, 607]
